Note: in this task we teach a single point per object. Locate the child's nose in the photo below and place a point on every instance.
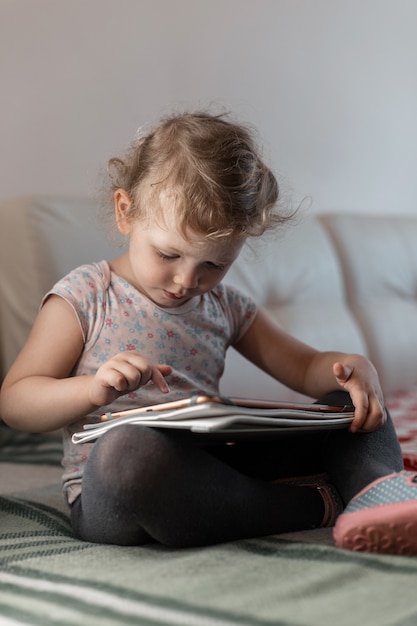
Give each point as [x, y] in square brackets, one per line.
[187, 279]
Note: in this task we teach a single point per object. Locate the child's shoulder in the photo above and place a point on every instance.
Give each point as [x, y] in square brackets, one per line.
[83, 282]
[226, 291]
[233, 298]
[95, 273]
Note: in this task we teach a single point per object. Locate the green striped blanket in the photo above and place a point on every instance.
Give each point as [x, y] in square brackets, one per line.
[48, 578]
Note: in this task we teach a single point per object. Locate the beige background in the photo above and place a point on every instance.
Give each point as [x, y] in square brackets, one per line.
[330, 84]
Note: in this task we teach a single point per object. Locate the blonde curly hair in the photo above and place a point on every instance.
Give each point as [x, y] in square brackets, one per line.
[209, 166]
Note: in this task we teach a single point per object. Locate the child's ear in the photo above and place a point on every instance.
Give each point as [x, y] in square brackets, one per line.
[122, 206]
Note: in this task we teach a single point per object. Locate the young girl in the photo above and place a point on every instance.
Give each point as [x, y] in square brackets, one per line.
[154, 324]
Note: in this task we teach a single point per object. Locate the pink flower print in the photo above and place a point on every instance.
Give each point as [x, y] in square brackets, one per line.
[129, 301]
[193, 351]
[170, 334]
[130, 346]
[108, 322]
[150, 335]
[125, 313]
[249, 315]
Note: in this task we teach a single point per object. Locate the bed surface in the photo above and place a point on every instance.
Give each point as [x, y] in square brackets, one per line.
[47, 577]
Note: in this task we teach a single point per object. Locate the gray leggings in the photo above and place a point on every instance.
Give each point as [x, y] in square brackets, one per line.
[142, 485]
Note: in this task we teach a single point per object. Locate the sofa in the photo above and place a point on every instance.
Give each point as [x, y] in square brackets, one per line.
[339, 281]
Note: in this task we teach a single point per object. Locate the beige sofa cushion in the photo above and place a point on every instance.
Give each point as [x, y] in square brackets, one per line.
[379, 260]
[342, 282]
[297, 277]
[41, 239]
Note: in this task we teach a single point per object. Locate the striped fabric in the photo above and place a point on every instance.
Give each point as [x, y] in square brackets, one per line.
[19, 447]
[48, 578]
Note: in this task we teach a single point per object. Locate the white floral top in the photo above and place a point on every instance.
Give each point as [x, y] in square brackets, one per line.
[114, 316]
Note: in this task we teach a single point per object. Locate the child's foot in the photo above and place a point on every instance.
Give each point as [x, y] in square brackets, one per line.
[382, 517]
[332, 501]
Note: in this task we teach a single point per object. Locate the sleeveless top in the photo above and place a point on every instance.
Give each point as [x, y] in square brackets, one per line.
[114, 316]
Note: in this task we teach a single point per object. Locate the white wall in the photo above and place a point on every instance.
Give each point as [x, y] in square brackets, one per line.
[330, 84]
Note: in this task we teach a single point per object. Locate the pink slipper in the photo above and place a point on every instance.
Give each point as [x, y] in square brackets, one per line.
[382, 517]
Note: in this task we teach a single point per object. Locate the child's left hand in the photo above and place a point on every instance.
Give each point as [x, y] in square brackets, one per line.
[359, 378]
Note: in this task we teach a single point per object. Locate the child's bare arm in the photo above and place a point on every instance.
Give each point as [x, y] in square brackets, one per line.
[39, 393]
[315, 373]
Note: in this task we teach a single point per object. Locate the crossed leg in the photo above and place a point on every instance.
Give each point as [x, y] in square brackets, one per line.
[143, 484]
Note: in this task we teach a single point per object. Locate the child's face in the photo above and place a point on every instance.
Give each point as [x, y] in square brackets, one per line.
[170, 267]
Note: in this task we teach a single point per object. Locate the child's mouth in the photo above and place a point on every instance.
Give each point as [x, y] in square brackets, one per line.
[174, 296]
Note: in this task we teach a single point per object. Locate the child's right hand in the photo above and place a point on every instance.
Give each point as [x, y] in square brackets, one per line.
[125, 372]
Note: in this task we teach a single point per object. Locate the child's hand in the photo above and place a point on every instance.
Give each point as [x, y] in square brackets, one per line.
[127, 371]
[358, 377]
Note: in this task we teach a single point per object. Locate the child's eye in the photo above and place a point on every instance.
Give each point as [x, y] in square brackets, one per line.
[166, 257]
[216, 266]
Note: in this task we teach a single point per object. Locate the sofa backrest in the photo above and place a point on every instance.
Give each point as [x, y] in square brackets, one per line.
[41, 239]
[378, 256]
[295, 274]
[337, 282]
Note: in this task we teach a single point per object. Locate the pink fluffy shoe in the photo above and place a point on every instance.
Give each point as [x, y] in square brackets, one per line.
[382, 517]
